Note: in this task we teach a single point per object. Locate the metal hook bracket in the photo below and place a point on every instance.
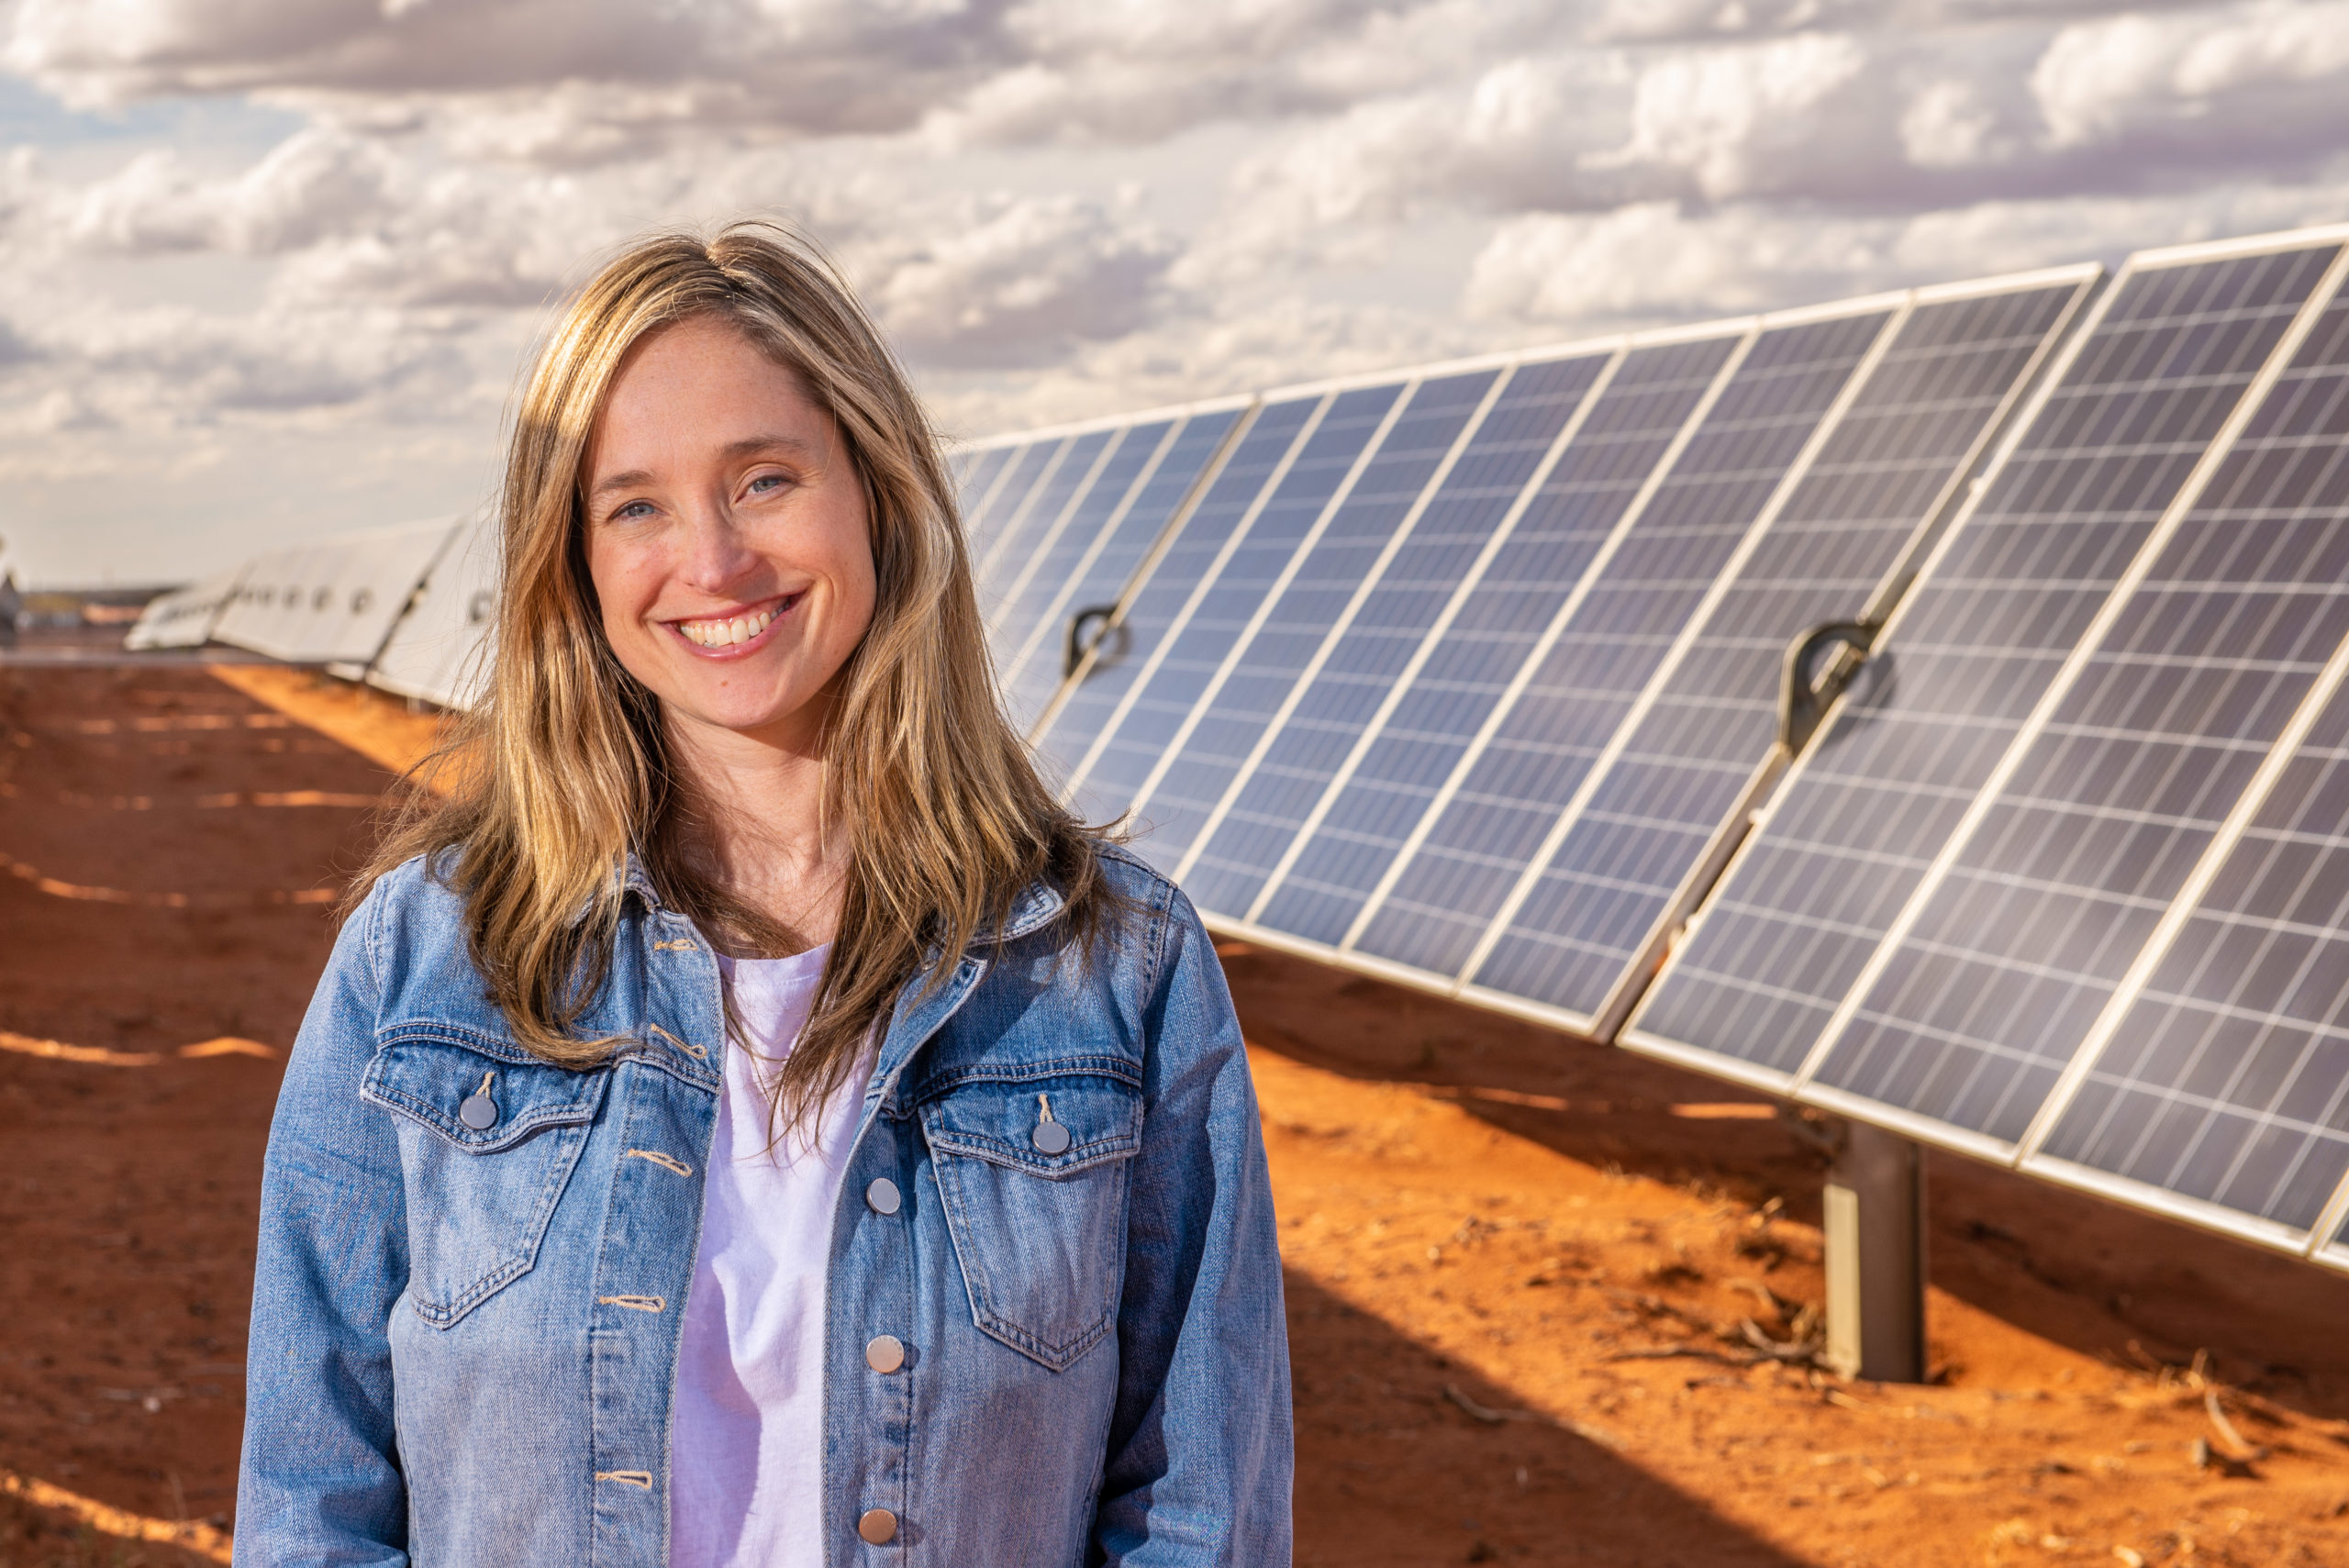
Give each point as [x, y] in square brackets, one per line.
[1805, 689]
[1079, 645]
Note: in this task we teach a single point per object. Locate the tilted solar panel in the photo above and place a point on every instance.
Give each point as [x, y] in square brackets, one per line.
[1346, 546]
[440, 649]
[1025, 585]
[1582, 492]
[1364, 663]
[1086, 704]
[1589, 915]
[185, 617]
[1004, 499]
[2218, 1070]
[1095, 559]
[1337, 435]
[975, 477]
[1982, 840]
[1494, 817]
[1039, 518]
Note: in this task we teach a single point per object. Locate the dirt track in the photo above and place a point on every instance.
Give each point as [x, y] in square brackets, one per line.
[1489, 1233]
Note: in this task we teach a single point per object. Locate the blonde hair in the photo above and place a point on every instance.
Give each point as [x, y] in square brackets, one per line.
[562, 769]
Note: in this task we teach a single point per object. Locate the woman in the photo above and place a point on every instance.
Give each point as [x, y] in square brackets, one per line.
[748, 1121]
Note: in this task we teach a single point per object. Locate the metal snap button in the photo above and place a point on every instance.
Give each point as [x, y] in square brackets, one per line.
[877, 1525]
[885, 1353]
[881, 1195]
[1049, 1136]
[479, 1112]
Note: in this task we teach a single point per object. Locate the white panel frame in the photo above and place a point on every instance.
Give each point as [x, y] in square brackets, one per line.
[1199, 591]
[2314, 1245]
[1279, 585]
[1371, 577]
[1473, 578]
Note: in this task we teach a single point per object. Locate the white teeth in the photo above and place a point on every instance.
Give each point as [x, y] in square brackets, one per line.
[726, 633]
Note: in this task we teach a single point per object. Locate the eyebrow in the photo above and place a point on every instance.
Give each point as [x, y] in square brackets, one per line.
[743, 448]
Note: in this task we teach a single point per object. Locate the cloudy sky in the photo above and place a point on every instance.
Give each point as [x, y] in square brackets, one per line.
[267, 267]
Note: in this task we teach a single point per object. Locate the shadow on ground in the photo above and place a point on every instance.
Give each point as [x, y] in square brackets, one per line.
[1374, 1488]
[2104, 1280]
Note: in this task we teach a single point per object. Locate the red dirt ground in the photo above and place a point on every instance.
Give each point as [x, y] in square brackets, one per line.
[1489, 1230]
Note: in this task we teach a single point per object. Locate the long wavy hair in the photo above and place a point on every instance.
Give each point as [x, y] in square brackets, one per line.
[562, 771]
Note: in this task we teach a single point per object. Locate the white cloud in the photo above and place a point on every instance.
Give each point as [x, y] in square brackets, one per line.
[2260, 77]
[1061, 206]
[1020, 281]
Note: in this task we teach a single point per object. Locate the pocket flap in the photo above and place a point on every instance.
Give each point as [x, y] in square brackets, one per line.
[429, 1072]
[994, 1117]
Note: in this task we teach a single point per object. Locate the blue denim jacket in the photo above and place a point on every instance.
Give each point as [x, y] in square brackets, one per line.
[465, 1339]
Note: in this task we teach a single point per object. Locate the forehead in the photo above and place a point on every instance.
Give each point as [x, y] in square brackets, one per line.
[703, 379]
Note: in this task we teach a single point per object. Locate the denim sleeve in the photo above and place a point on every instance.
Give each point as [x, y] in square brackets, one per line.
[1200, 1455]
[320, 1480]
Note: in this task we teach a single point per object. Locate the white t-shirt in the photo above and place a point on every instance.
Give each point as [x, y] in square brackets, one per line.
[746, 1459]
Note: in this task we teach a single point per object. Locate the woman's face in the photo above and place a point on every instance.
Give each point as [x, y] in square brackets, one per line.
[726, 535]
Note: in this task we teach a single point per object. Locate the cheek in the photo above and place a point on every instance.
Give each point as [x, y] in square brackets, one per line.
[621, 578]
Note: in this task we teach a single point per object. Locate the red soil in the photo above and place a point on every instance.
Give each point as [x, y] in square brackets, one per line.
[1489, 1230]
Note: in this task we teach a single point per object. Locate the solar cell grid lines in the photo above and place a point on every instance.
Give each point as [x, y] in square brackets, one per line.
[1089, 705]
[1150, 725]
[1512, 793]
[1581, 495]
[1160, 464]
[2106, 795]
[2216, 1070]
[975, 473]
[1884, 471]
[2123, 420]
[1335, 568]
[1029, 525]
[2226, 1080]
[1024, 579]
[1003, 500]
[1368, 661]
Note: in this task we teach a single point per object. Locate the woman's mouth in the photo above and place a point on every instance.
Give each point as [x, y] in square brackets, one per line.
[726, 633]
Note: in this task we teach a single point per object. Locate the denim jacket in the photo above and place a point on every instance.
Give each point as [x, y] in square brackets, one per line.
[464, 1337]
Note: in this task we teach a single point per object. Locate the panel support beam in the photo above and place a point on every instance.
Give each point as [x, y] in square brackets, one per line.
[1875, 1228]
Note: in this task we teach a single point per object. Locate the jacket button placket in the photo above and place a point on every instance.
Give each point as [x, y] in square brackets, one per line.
[642, 1274]
[882, 1251]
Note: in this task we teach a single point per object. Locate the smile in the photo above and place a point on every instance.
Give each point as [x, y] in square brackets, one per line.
[727, 632]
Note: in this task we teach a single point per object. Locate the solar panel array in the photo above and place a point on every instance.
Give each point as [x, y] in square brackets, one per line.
[1469, 677]
[2039, 889]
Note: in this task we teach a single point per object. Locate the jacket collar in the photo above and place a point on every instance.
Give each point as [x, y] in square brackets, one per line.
[1035, 907]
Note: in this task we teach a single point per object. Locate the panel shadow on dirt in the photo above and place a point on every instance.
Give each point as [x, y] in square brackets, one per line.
[2112, 1283]
[1392, 1468]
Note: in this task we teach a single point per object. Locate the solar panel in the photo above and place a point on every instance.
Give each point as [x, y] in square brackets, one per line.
[1494, 817]
[1356, 664]
[1365, 517]
[438, 651]
[2021, 736]
[1565, 524]
[1004, 500]
[974, 478]
[1335, 431]
[1087, 704]
[372, 593]
[1158, 466]
[185, 617]
[1587, 917]
[1039, 518]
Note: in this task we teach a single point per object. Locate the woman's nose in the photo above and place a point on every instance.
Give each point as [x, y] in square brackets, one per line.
[716, 555]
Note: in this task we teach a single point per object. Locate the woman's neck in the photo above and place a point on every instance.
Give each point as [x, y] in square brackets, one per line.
[758, 827]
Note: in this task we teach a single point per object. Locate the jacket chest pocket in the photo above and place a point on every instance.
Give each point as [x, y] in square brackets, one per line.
[1039, 1218]
[488, 1140]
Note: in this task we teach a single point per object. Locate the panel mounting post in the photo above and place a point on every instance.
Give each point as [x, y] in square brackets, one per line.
[1875, 1228]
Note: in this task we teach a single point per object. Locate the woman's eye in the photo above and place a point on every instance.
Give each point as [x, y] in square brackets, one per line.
[632, 511]
[765, 482]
